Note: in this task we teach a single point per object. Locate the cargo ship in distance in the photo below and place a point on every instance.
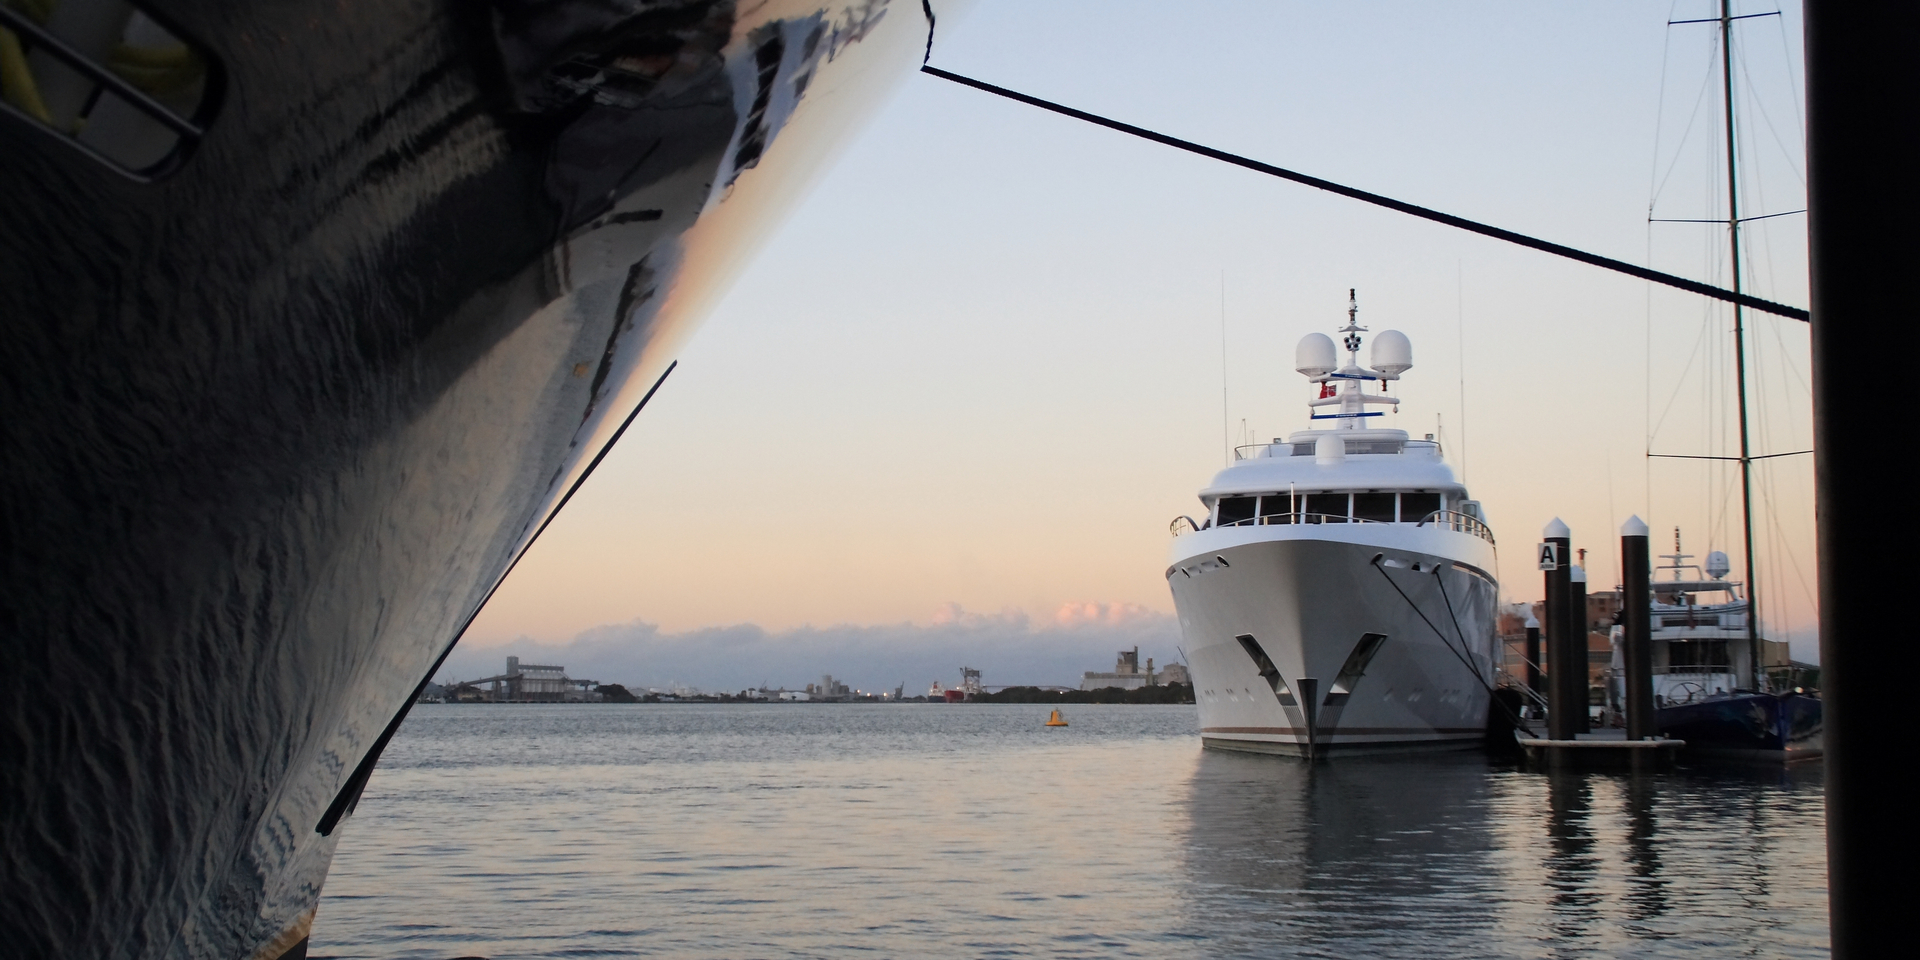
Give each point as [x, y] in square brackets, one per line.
[1339, 595]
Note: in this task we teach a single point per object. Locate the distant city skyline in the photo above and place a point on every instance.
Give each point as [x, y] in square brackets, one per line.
[1010, 647]
[985, 362]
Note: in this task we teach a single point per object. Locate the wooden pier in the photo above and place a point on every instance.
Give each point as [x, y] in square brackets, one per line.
[1604, 748]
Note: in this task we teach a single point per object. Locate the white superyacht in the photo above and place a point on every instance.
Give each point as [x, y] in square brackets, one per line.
[1340, 595]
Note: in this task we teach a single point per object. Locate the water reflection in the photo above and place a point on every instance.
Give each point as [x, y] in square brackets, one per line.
[1448, 856]
[730, 831]
[1340, 859]
[1646, 896]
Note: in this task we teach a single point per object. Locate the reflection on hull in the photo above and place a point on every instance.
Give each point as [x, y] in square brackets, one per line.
[1302, 647]
[278, 422]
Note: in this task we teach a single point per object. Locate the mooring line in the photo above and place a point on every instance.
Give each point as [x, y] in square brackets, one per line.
[349, 794]
[1492, 695]
[1462, 223]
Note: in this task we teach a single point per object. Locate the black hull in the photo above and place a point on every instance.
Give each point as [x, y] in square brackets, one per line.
[1756, 726]
[278, 422]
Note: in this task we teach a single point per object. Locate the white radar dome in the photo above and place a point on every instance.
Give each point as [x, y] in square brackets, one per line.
[1314, 356]
[1329, 449]
[1392, 353]
[1717, 565]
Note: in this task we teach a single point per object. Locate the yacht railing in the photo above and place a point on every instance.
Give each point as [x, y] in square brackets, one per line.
[1460, 523]
[1287, 518]
[1254, 451]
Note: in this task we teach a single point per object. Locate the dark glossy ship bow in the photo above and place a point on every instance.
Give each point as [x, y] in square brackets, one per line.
[310, 314]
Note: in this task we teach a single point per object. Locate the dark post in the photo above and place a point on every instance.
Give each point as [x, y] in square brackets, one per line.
[1636, 623]
[1863, 141]
[1559, 708]
[1577, 650]
[1533, 655]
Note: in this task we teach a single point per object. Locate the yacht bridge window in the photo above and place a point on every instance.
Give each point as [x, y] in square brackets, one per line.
[1324, 508]
[1415, 507]
[1375, 507]
[1235, 511]
[1369, 506]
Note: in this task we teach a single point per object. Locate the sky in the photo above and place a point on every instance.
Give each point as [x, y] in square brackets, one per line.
[995, 350]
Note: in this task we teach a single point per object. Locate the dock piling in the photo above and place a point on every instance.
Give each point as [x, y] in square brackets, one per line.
[1576, 655]
[1636, 623]
[1533, 655]
[1555, 555]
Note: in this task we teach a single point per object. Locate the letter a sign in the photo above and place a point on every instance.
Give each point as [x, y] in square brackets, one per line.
[1549, 557]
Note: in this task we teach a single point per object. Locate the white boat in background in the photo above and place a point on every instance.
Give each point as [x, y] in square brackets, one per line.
[1340, 595]
[1706, 688]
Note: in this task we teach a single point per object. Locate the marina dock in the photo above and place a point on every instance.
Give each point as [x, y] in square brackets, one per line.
[1605, 748]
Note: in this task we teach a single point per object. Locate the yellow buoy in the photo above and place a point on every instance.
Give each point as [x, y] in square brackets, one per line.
[1056, 720]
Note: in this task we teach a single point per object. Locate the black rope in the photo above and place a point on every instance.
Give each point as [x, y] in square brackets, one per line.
[1462, 633]
[1492, 695]
[927, 7]
[349, 795]
[1472, 226]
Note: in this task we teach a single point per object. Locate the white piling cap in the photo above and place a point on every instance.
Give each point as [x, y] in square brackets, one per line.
[1577, 573]
[1556, 528]
[1634, 527]
[1329, 449]
[1531, 623]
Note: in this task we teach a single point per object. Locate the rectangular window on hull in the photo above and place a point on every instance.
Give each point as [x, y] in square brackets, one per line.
[1324, 508]
[1415, 507]
[1377, 507]
[1235, 510]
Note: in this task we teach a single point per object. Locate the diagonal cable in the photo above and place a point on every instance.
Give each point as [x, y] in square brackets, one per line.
[1471, 226]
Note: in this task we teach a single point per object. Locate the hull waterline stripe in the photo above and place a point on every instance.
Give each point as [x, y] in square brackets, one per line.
[1471, 226]
[349, 794]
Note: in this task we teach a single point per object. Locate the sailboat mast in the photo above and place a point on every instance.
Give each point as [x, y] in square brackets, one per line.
[1740, 343]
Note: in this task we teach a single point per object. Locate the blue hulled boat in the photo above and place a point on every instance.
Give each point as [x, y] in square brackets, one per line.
[1705, 682]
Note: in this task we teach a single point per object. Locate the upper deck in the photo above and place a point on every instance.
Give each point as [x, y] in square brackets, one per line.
[1365, 460]
[1349, 474]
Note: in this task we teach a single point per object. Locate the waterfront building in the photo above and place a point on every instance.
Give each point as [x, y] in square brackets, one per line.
[529, 683]
[1127, 674]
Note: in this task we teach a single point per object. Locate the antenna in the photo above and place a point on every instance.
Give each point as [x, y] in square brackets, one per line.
[1460, 339]
[1226, 431]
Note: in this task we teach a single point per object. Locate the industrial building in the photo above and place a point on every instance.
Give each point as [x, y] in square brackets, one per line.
[530, 683]
[1128, 674]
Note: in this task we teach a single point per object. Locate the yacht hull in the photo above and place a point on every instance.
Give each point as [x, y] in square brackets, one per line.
[1757, 726]
[278, 422]
[1308, 604]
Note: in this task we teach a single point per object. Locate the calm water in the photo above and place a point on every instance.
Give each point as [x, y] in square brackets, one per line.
[966, 831]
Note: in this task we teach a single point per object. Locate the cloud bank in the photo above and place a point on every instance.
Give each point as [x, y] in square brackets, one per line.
[1008, 648]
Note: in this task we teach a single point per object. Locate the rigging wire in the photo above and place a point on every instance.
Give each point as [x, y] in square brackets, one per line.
[1755, 101]
[1700, 99]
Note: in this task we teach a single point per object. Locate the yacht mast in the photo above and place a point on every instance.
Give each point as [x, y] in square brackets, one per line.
[1740, 344]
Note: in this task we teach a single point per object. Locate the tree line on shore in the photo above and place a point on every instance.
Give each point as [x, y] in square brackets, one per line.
[1164, 693]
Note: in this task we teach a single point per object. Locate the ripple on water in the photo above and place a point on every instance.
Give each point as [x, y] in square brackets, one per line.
[835, 830]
